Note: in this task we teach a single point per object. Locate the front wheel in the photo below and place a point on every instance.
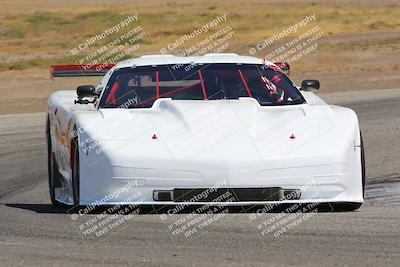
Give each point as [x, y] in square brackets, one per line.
[362, 164]
[55, 179]
[52, 167]
[75, 171]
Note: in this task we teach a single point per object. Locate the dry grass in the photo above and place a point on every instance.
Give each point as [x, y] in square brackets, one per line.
[34, 34]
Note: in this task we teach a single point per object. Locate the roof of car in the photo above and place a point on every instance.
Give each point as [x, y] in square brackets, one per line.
[149, 60]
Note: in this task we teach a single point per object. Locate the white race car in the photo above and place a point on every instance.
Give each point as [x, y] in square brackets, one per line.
[208, 130]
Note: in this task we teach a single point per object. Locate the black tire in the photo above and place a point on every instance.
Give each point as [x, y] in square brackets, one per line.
[75, 170]
[53, 174]
[362, 164]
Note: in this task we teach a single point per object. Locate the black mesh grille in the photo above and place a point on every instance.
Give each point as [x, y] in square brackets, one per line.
[226, 194]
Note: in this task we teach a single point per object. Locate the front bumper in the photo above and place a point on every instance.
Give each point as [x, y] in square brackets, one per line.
[339, 182]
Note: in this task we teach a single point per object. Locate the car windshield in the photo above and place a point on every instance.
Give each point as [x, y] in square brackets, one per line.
[139, 87]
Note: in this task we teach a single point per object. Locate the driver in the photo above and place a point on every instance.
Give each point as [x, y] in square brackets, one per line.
[274, 92]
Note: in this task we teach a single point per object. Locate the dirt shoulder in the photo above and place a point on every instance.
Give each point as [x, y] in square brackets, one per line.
[27, 91]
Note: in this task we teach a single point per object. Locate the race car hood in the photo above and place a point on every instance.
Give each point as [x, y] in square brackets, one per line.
[217, 132]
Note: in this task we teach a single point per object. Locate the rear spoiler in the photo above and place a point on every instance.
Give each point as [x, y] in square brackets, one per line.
[285, 67]
[79, 70]
[101, 70]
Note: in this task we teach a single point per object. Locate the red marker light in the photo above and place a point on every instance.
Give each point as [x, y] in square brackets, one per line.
[292, 136]
[154, 137]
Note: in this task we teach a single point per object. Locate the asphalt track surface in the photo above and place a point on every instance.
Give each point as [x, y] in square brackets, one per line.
[32, 232]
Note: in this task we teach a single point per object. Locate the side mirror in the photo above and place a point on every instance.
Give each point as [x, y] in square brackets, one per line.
[310, 85]
[86, 91]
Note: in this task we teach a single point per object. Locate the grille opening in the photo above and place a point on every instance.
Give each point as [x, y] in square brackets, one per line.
[226, 194]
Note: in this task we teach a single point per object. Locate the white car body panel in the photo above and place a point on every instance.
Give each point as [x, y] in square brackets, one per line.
[208, 143]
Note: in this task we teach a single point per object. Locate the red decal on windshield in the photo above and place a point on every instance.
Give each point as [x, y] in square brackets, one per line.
[244, 83]
[202, 85]
[157, 86]
[111, 95]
